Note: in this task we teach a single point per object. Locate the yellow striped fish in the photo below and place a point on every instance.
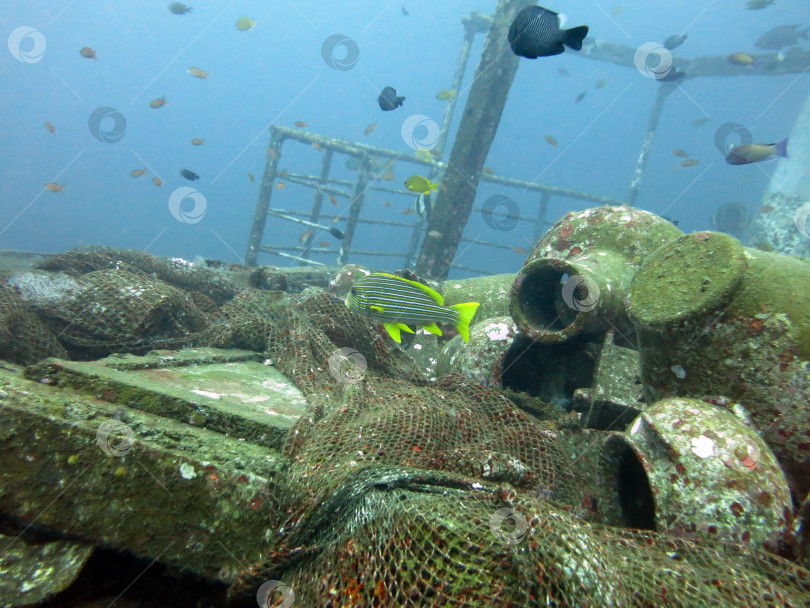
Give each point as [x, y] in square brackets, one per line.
[398, 302]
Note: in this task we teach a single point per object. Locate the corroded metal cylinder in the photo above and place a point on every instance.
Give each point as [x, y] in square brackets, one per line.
[576, 278]
[717, 320]
[694, 471]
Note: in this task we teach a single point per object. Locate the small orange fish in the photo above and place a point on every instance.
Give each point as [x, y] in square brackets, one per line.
[52, 187]
[407, 212]
[271, 153]
[333, 200]
[389, 176]
[198, 73]
[251, 178]
[317, 146]
[551, 140]
[435, 153]
[197, 142]
[370, 129]
[281, 186]
[158, 103]
[300, 123]
[88, 53]
[518, 250]
[50, 128]
[138, 172]
[305, 235]
[488, 171]
[387, 204]
[765, 209]
[690, 162]
[679, 152]
[324, 243]
[157, 181]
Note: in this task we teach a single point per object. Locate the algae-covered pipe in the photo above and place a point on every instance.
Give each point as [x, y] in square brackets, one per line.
[713, 319]
[576, 278]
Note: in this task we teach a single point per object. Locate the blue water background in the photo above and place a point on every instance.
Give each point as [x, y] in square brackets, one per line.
[275, 74]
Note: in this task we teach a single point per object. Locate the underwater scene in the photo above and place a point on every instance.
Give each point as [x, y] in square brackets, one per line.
[361, 304]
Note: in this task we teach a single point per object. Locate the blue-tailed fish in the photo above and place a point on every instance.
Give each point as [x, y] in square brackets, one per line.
[755, 153]
[398, 302]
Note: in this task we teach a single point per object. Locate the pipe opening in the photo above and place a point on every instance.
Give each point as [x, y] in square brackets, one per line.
[541, 300]
[633, 487]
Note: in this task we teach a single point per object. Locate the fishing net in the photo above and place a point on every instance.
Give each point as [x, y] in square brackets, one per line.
[406, 492]
[24, 339]
[401, 491]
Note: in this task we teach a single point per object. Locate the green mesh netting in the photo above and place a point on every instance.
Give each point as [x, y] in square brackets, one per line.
[405, 492]
[24, 338]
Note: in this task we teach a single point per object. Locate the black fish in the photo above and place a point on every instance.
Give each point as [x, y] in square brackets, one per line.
[536, 32]
[580, 97]
[674, 41]
[781, 36]
[732, 218]
[336, 233]
[388, 99]
[189, 175]
[178, 8]
[405, 11]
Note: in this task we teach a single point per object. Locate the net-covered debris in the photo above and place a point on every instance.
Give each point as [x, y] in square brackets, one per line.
[402, 492]
[23, 337]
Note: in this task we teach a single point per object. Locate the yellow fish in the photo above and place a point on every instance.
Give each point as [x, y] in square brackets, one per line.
[370, 129]
[138, 172]
[52, 187]
[250, 177]
[157, 181]
[198, 73]
[244, 24]
[158, 103]
[551, 140]
[445, 95]
[50, 128]
[88, 53]
[422, 185]
[197, 142]
[739, 58]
